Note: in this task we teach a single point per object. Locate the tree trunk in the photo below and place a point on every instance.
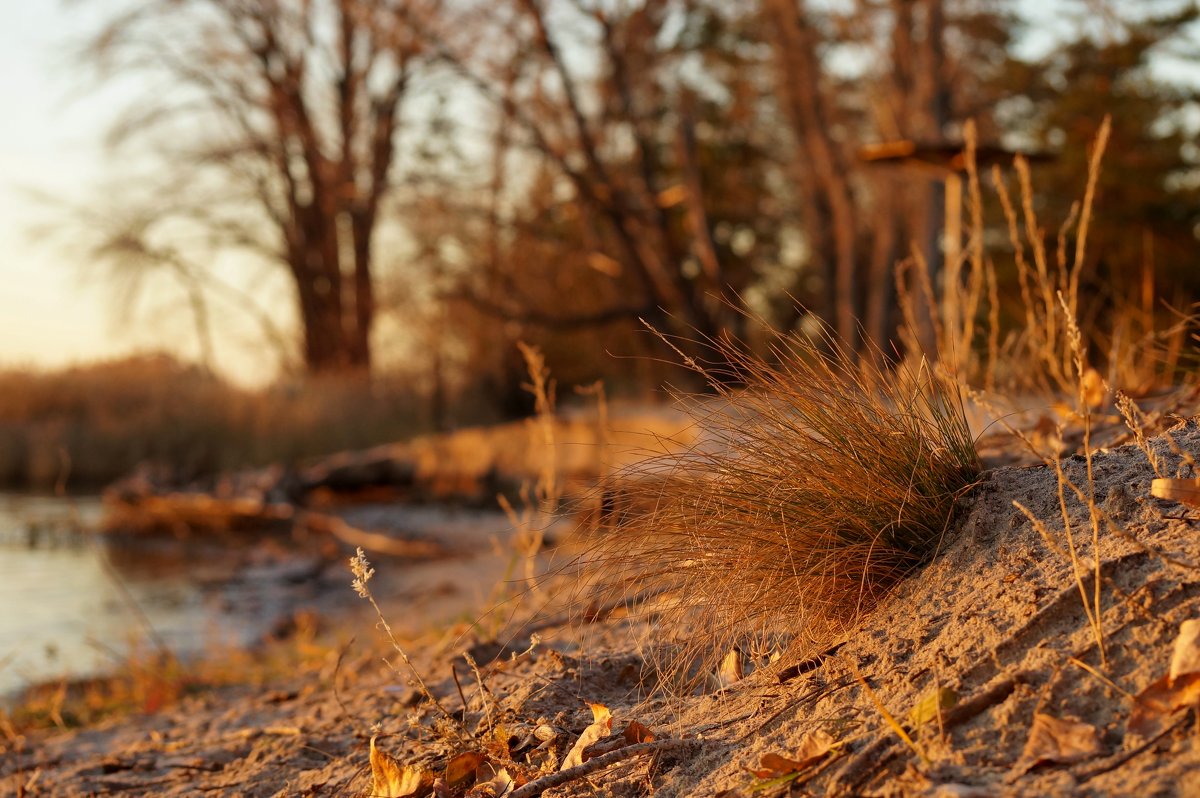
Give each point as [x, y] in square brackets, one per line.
[364, 294]
[808, 112]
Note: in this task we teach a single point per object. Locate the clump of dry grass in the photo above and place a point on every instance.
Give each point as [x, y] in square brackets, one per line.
[822, 482]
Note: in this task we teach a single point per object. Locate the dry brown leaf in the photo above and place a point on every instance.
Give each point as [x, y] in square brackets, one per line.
[932, 704]
[464, 767]
[637, 733]
[1186, 657]
[1178, 689]
[1058, 741]
[1163, 698]
[600, 728]
[1184, 491]
[496, 787]
[813, 748]
[390, 779]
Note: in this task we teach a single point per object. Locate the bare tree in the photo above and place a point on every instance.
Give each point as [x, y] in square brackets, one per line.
[823, 168]
[591, 99]
[274, 127]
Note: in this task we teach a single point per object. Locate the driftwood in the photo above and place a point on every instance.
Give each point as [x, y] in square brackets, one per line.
[374, 542]
[195, 511]
[201, 513]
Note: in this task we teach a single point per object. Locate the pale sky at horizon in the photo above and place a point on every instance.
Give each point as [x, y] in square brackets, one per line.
[52, 313]
[46, 145]
[51, 142]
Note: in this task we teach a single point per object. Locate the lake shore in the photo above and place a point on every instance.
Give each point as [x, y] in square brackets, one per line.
[1013, 644]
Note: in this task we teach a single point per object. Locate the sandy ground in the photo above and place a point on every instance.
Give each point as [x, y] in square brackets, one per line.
[997, 617]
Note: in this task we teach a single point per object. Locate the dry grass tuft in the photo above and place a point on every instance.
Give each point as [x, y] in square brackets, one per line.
[821, 482]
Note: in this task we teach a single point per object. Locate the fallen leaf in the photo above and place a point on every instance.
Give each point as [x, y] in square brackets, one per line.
[390, 779]
[1186, 657]
[498, 786]
[637, 733]
[813, 748]
[1184, 491]
[1163, 698]
[1058, 741]
[463, 768]
[931, 705]
[731, 670]
[519, 737]
[600, 728]
[1178, 689]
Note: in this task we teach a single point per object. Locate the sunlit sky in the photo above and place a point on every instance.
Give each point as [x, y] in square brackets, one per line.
[53, 310]
[51, 144]
[48, 144]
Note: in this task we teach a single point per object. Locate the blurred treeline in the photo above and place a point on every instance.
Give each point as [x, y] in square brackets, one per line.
[462, 176]
[84, 427]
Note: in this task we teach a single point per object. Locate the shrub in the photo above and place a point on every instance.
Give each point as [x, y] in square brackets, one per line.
[819, 483]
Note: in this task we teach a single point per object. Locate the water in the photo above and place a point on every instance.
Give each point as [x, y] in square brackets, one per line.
[72, 606]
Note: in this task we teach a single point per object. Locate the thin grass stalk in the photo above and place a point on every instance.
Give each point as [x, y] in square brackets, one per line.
[1024, 277]
[1098, 147]
[1075, 340]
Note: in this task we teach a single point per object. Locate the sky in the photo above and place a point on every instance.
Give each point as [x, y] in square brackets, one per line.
[54, 312]
[51, 144]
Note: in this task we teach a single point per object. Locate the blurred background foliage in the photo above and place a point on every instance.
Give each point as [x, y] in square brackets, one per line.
[435, 181]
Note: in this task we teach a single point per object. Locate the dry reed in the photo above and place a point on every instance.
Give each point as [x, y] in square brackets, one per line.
[824, 480]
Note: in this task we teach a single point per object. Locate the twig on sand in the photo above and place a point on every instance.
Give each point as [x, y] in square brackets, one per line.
[538, 786]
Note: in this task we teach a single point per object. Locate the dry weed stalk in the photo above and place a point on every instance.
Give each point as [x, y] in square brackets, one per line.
[823, 482]
[968, 281]
[1136, 421]
[362, 570]
[539, 502]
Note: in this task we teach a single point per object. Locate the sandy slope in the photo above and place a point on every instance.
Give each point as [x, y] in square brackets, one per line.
[996, 617]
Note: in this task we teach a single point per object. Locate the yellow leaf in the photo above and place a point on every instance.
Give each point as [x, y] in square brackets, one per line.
[1184, 491]
[600, 728]
[932, 704]
[390, 779]
[1186, 657]
[731, 670]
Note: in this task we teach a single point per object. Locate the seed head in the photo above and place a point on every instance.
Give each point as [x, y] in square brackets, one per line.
[362, 570]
